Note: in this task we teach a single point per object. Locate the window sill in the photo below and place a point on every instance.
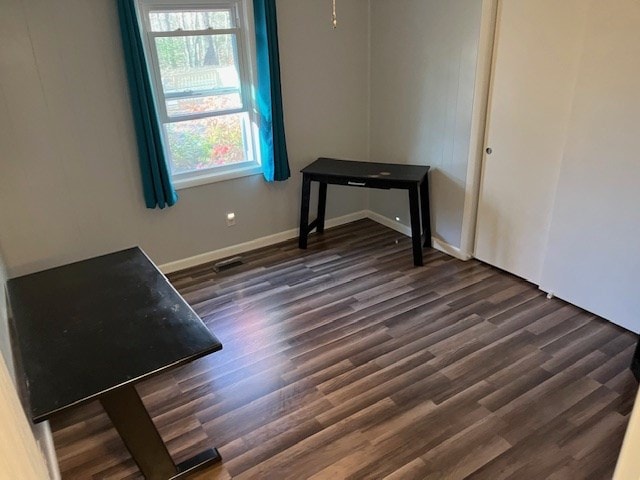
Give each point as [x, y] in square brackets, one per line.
[213, 177]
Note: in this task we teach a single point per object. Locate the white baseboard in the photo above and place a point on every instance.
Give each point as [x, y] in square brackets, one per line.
[226, 252]
[44, 439]
[387, 222]
[444, 247]
[251, 245]
[405, 230]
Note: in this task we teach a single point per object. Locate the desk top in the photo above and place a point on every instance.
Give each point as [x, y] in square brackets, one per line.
[367, 170]
[86, 328]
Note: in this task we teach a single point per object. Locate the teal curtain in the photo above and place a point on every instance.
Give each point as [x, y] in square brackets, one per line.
[156, 177]
[273, 145]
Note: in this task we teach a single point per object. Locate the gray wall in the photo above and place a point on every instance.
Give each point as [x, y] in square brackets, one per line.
[423, 69]
[69, 180]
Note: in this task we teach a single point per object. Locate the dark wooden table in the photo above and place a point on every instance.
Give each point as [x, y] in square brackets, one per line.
[91, 330]
[413, 178]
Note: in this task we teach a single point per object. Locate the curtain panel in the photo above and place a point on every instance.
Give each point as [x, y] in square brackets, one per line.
[156, 177]
[273, 145]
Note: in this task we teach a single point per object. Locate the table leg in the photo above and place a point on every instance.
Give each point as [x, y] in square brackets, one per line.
[133, 423]
[322, 206]
[426, 211]
[635, 363]
[304, 211]
[416, 237]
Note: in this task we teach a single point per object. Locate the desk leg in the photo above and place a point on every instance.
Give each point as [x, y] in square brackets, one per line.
[304, 211]
[322, 206]
[416, 236]
[426, 211]
[133, 423]
[635, 363]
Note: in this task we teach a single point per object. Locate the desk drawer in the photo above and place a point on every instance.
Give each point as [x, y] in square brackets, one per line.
[381, 183]
[359, 182]
[347, 181]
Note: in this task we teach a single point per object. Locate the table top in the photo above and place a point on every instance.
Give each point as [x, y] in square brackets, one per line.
[85, 328]
[366, 170]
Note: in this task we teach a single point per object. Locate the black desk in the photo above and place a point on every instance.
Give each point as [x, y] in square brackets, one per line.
[413, 178]
[91, 330]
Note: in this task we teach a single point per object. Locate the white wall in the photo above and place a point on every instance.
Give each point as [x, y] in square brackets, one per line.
[593, 255]
[628, 467]
[424, 55]
[23, 446]
[19, 454]
[69, 180]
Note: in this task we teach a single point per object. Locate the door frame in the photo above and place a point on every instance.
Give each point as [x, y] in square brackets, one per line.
[482, 92]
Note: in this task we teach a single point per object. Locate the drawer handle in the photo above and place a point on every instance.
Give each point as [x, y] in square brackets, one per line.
[357, 184]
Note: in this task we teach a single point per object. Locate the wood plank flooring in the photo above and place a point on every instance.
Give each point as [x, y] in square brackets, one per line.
[345, 361]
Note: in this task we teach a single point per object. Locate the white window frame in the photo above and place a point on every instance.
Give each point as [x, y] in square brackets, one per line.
[245, 51]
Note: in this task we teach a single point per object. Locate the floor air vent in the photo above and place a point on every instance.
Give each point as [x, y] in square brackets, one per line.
[228, 264]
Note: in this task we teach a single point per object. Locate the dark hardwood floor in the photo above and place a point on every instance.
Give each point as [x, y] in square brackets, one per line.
[345, 361]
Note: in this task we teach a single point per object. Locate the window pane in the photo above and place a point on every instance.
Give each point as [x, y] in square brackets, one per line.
[199, 66]
[194, 105]
[172, 20]
[206, 143]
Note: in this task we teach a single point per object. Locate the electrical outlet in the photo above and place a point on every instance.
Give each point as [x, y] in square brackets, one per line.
[231, 219]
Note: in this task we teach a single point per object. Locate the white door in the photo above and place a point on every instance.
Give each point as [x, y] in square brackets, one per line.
[593, 256]
[537, 50]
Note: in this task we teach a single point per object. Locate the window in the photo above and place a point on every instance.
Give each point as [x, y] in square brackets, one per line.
[199, 58]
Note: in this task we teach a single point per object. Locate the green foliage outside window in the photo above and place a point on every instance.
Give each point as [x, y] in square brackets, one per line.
[206, 143]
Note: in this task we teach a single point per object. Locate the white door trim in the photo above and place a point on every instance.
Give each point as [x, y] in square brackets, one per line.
[478, 124]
